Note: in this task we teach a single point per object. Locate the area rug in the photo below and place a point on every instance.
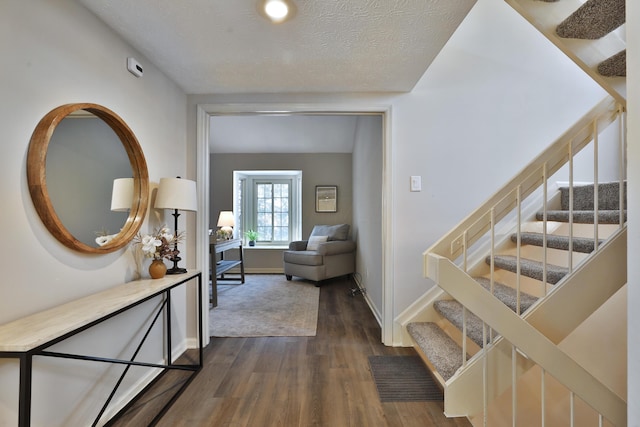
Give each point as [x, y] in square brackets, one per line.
[403, 379]
[265, 305]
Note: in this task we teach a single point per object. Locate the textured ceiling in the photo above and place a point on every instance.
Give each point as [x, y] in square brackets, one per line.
[225, 46]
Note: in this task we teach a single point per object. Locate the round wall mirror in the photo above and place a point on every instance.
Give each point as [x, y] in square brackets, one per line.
[88, 178]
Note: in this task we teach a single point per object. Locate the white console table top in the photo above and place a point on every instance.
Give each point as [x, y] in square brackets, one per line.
[29, 332]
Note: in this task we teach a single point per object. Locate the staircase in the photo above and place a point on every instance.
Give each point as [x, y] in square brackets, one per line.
[591, 33]
[522, 276]
[451, 343]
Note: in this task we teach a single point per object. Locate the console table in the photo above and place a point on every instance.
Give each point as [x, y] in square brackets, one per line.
[223, 265]
[30, 336]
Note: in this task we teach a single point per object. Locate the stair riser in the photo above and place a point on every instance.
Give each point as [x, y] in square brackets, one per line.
[582, 217]
[554, 256]
[552, 276]
[584, 230]
[456, 335]
[552, 241]
[528, 285]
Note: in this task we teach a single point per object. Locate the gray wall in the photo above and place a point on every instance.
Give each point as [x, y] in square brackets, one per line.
[367, 208]
[317, 169]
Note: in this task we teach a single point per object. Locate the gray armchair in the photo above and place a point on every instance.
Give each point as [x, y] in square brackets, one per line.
[327, 253]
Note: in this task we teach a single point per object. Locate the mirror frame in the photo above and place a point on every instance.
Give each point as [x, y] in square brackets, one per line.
[36, 177]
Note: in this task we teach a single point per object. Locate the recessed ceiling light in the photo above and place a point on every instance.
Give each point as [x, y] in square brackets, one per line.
[277, 10]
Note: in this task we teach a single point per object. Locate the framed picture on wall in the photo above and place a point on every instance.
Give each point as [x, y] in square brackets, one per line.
[326, 198]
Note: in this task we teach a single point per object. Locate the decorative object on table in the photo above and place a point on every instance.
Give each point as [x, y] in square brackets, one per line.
[226, 222]
[252, 235]
[158, 246]
[177, 194]
[326, 198]
[157, 269]
[223, 235]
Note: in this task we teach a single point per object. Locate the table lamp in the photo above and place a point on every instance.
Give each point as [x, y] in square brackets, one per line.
[177, 194]
[226, 222]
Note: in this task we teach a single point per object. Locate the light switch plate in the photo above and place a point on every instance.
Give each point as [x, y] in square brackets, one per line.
[416, 183]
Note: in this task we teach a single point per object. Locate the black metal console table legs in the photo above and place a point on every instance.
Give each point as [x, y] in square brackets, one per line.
[26, 358]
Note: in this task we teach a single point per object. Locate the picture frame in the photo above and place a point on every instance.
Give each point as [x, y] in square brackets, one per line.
[326, 198]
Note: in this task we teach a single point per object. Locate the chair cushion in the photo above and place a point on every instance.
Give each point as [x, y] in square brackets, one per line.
[333, 232]
[303, 257]
[314, 241]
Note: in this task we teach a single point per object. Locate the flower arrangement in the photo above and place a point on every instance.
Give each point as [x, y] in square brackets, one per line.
[160, 244]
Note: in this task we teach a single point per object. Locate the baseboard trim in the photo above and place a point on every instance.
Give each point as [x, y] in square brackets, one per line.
[255, 270]
[372, 307]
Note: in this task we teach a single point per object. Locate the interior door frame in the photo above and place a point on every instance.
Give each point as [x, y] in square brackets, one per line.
[203, 114]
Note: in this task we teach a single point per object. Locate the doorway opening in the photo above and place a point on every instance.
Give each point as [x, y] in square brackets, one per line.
[370, 190]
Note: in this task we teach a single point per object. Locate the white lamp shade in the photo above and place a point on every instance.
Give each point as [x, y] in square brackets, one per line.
[225, 219]
[122, 194]
[177, 193]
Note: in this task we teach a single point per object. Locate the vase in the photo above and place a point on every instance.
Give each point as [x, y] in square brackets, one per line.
[157, 269]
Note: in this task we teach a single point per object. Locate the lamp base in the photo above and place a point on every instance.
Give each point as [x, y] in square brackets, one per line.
[176, 259]
[176, 270]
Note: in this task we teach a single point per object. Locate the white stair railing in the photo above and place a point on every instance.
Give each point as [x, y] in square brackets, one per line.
[473, 227]
[476, 234]
[527, 340]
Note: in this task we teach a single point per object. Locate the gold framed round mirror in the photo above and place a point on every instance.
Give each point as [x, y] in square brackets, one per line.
[77, 157]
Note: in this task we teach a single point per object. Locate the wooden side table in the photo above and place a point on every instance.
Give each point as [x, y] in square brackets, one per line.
[223, 265]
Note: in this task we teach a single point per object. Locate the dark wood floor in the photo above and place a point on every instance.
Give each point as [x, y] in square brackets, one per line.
[296, 381]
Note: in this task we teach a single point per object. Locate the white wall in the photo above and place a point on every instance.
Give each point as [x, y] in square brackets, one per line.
[633, 167]
[496, 95]
[513, 94]
[56, 52]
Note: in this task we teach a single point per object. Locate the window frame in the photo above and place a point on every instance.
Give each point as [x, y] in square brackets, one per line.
[245, 197]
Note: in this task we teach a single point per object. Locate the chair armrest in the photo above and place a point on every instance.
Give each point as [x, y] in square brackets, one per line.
[336, 247]
[298, 245]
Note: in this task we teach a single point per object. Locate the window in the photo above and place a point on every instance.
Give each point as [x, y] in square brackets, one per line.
[270, 203]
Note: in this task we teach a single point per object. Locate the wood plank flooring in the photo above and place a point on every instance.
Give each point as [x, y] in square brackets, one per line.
[295, 381]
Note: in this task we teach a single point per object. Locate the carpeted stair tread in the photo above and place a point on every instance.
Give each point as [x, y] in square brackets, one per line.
[507, 294]
[580, 244]
[441, 350]
[583, 217]
[529, 268]
[593, 20]
[452, 311]
[608, 196]
[614, 66]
